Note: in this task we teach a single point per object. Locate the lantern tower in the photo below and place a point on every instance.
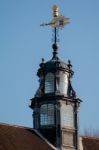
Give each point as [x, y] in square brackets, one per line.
[55, 104]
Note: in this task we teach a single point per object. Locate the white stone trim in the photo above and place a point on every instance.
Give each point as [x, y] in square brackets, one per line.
[80, 143]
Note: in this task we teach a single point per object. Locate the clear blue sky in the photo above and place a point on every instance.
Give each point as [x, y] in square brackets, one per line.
[23, 43]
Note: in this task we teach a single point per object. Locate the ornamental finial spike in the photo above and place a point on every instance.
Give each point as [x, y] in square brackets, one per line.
[55, 11]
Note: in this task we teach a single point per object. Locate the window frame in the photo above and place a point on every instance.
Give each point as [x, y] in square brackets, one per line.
[49, 83]
[47, 116]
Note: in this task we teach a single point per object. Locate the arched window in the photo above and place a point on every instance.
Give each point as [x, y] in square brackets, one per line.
[49, 83]
[47, 114]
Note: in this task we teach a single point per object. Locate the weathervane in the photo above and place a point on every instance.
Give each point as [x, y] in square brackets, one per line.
[58, 22]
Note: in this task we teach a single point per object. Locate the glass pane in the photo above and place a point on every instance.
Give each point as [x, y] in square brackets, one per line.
[49, 83]
[43, 114]
[47, 114]
[62, 83]
[67, 116]
[50, 114]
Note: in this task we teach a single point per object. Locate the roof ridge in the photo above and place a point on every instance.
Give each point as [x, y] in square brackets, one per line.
[90, 137]
[13, 125]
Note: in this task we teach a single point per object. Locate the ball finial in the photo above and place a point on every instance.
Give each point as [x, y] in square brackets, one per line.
[55, 11]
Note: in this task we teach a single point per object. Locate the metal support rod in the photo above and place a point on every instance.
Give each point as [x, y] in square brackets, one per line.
[55, 46]
[55, 40]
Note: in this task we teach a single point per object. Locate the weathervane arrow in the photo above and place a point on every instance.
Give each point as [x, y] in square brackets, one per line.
[58, 21]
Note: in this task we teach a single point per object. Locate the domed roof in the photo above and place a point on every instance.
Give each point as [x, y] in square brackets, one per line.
[55, 64]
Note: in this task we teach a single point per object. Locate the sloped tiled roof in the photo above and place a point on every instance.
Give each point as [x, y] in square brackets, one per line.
[20, 138]
[90, 143]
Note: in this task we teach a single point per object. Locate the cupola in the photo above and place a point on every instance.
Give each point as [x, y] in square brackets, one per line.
[55, 104]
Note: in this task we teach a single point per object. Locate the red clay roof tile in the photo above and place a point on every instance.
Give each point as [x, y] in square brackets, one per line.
[20, 138]
[90, 143]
